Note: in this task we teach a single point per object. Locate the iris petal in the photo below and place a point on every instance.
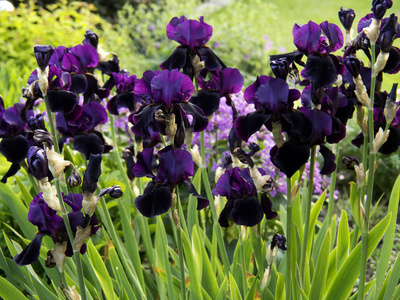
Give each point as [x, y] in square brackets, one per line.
[247, 212]
[329, 160]
[156, 200]
[290, 157]
[246, 125]
[31, 253]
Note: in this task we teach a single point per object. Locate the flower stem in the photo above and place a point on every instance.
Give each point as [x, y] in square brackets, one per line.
[242, 261]
[332, 186]
[77, 258]
[370, 183]
[307, 213]
[288, 277]
[181, 265]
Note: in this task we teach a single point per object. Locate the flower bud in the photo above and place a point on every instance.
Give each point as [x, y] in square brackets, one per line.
[279, 241]
[361, 92]
[43, 80]
[388, 34]
[280, 68]
[91, 38]
[43, 136]
[346, 17]
[391, 107]
[380, 63]
[350, 162]
[74, 179]
[43, 54]
[379, 8]
[37, 162]
[36, 122]
[114, 192]
[353, 65]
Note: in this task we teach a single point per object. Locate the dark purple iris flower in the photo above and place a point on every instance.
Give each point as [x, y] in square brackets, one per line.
[346, 17]
[16, 136]
[51, 224]
[81, 125]
[167, 93]
[272, 99]
[243, 206]
[222, 83]
[125, 97]
[317, 42]
[379, 8]
[175, 167]
[192, 35]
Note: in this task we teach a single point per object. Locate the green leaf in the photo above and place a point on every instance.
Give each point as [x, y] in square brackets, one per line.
[234, 289]
[222, 289]
[191, 265]
[9, 292]
[321, 270]
[208, 279]
[252, 291]
[356, 206]
[26, 195]
[18, 210]
[280, 288]
[192, 214]
[388, 240]
[393, 280]
[348, 273]
[162, 257]
[343, 241]
[101, 271]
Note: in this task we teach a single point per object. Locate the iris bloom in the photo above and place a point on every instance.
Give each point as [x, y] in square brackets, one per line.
[243, 206]
[16, 136]
[192, 35]
[175, 167]
[167, 93]
[81, 125]
[51, 224]
[222, 83]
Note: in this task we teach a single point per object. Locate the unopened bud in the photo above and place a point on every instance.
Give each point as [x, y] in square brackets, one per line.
[37, 162]
[279, 241]
[114, 192]
[74, 179]
[391, 107]
[259, 180]
[43, 54]
[350, 162]
[43, 136]
[196, 155]
[50, 194]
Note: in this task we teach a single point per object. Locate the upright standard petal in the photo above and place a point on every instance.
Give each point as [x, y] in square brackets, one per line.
[171, 87]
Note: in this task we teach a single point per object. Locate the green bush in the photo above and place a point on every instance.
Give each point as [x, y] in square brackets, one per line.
[63, 23]
[142, 44]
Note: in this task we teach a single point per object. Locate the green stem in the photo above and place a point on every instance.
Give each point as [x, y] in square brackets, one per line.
[307, 213]
[332, 187]
[242, 262]
[370, 184]
[288, 277]
[220, 239]
[181, 264]
[64, 213]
